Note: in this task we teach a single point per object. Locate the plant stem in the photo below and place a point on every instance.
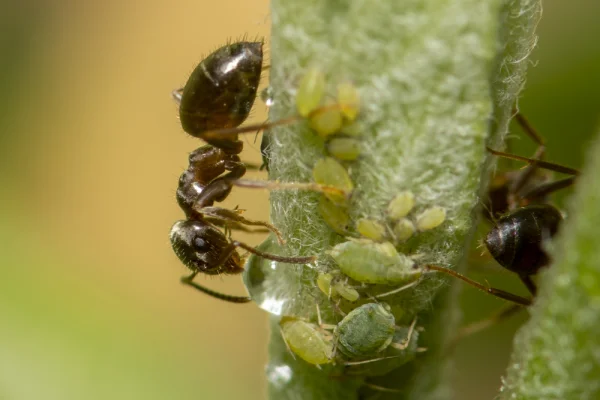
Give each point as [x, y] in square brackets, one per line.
[436, 80]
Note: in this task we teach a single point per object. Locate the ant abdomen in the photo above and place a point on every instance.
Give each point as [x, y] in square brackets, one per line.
[200, 247]
[221, 90]
[516, 241]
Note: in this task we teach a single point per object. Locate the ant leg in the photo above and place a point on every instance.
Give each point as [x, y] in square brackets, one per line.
[277, 185]
[528, 282]
[227, 253]
[230, 132]
[479, 326]
[525, 176]
[219, 189]
[545, 189]
[522, 301]
[274, 257]
[224, 216]
[541, 164]
[188, 280]
[530, 131]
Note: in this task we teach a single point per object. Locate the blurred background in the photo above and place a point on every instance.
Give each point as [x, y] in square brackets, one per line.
[90, 153]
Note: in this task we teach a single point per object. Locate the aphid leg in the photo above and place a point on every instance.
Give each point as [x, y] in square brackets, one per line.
[406, 341]
[287, 345]
[188, 280]
[493, 291]
[479, 326]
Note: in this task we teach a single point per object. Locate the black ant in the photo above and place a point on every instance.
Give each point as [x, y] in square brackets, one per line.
[523, 219]
[216, 99]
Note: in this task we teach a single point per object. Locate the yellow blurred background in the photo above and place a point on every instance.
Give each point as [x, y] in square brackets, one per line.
[90, 152]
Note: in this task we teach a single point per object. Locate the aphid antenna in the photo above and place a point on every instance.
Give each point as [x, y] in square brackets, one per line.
[398, 290]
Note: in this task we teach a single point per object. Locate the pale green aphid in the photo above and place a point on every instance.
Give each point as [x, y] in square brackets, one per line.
[403, 229]
[401, 205]
[348, 98]
[335, 216]
[324, 283]
[333, 286]
[431, 218]
[365, 331]
[345, 291]
[344, 148]
[366, 261]
[327, 171]
[403, 349]
[308, 341]
[328, 120]
[371, 229]
[310, 91]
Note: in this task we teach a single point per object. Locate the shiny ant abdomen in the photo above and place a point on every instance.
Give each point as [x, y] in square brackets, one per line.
[220, 92]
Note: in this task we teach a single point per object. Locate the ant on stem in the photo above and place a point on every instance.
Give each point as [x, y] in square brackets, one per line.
[216, 99]
[523, 219]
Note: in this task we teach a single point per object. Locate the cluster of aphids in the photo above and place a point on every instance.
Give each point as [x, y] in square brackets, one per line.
[215, 102]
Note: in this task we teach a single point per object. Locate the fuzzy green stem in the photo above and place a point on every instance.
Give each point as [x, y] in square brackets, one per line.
[432, 75]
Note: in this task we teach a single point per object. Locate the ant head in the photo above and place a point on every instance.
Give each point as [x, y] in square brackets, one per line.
[203, 248]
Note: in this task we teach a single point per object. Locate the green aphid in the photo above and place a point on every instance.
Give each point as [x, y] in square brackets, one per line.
[371, 229]
[401, 205]
[344, 148]
[430, 218]
[335, 216]
[327, 171]
[306, 340]
[324, 284]
[310, 91]
[403, 349]
[327, 120]
[333, 286]
[403, 229]
[348, 98]
[366, 261]
[345, 291]
[365, 331]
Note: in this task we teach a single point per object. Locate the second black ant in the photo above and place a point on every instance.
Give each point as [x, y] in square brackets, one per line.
[523, 219]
